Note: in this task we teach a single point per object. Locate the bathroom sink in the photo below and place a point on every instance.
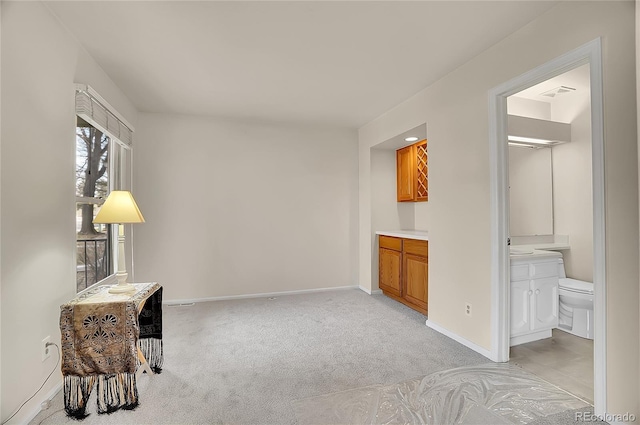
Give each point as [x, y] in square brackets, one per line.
[520, 251]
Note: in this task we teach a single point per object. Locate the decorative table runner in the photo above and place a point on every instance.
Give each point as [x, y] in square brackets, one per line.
[101, 335]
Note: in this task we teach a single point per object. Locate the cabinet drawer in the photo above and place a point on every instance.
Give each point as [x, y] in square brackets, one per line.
[519, 272]
[390, 243]
[416, 247]
[547, 269]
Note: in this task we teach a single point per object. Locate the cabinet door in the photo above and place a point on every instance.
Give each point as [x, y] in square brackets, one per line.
[416, 271]
[520, 307]
[405, 169]
[422, 171]
[389, 271]
[544, 303]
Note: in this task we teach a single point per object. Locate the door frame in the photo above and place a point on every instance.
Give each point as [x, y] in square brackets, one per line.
[590, 53]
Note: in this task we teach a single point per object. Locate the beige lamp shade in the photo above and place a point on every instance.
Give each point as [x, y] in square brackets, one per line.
[120, 207]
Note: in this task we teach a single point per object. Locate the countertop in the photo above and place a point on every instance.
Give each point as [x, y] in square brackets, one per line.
[544, 242]
[551, 246]
[421, 235]
[533, 254]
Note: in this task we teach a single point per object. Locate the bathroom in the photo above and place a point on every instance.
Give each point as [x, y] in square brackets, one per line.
[550, 193]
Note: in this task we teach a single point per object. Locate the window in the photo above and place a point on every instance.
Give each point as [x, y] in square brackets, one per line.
[101, 152]
[93, 257]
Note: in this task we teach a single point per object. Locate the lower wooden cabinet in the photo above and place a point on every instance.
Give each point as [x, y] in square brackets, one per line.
[415, 281]
[390, 271]
[403, 271]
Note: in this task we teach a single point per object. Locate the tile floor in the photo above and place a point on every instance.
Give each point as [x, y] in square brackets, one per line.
[564, 360]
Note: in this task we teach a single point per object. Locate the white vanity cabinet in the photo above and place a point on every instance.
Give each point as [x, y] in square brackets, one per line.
[534, 296]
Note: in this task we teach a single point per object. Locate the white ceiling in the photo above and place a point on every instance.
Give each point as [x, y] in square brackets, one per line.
[329, 62]
[578, 78]
[399, 141]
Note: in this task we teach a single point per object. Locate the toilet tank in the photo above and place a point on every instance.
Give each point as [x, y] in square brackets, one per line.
[561, 272]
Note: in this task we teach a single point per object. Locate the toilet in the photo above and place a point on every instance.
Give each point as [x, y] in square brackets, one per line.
[576, 305]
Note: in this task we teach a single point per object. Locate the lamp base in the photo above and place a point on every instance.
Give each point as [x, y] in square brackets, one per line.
[122, 286]
[120, 289]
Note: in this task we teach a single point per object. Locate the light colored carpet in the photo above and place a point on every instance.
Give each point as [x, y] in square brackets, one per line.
[247, 361]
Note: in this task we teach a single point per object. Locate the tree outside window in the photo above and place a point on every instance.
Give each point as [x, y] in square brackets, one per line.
[92, 187]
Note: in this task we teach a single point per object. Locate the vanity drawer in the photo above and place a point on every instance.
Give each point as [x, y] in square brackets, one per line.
[546, 269]
[390, 243]
[519, 272]
[416, 247]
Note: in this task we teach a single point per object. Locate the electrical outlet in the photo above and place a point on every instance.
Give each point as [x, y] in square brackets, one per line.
[46, 350]
[467, 309]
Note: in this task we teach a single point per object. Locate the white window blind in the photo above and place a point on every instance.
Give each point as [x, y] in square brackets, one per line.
[95, 110]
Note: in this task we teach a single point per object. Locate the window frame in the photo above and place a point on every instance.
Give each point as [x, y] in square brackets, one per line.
[119, 154]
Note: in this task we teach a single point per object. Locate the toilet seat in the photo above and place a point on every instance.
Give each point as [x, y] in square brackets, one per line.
[577, 286]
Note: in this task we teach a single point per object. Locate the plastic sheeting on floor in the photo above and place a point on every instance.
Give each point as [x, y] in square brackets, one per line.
[492, 394]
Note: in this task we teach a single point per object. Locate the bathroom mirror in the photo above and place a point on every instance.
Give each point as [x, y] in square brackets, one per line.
[530, 191]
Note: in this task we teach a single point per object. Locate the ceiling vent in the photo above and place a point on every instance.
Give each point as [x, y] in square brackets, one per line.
[558, 91]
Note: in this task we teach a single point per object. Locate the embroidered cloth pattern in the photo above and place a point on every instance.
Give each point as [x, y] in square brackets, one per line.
[101, 334]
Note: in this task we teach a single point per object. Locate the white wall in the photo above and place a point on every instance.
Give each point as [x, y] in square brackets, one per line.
[40, 64]
[387, 212]
[456, 111]
[234, 208]
[422, 215]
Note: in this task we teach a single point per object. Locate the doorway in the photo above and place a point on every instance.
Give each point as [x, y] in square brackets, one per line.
[550, 210]
[589, 54]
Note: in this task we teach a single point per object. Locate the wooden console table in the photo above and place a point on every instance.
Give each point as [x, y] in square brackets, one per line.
[110, 339]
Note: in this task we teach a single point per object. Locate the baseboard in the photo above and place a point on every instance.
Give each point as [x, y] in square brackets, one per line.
[370, 291]
[260, 295]
[38, 409]
[458, 338]
[535, 336]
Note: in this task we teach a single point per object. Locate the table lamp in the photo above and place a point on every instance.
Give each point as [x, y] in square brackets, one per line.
[120, 208]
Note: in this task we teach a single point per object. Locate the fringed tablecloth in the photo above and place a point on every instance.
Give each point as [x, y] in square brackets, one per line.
[101, 334]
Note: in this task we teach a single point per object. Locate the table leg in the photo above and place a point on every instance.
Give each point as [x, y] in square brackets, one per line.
[144, 365]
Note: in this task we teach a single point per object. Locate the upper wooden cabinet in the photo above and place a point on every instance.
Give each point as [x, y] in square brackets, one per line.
[412, 173]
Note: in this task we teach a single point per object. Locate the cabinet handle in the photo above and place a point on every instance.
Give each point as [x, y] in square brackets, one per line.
[537, 291]
[530, 292]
